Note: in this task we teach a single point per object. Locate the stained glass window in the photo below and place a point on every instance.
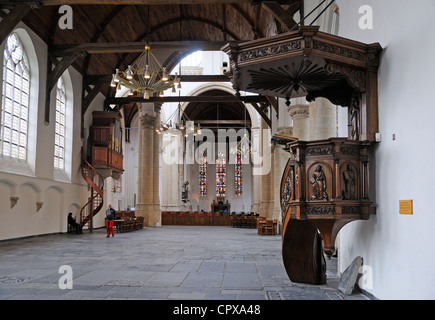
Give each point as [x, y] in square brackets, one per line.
[15, 100]
[220, 177]
[59, 136]
[238, 175]
[203, 176]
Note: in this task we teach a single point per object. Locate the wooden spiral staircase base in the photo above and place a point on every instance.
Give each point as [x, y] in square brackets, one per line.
[95, 203]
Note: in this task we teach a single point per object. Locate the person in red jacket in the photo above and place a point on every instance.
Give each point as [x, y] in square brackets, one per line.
[110, 217]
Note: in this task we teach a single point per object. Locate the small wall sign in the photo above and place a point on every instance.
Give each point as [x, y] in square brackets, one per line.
[405, 207]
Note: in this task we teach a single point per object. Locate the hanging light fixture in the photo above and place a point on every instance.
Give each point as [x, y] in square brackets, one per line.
[244, 145]
[145, 76]
[183, 124]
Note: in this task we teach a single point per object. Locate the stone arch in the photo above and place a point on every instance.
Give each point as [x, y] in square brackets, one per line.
[11, 188]
[223, 87]
[37, 192]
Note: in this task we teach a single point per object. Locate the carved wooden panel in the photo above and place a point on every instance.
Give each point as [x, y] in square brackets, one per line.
[100, 155]
[311, 64]
[326, 184]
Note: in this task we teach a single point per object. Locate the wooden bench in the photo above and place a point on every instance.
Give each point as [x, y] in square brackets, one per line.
[127, 223]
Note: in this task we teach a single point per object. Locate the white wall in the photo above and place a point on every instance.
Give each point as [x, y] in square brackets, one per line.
[35, 181]
[399, 248]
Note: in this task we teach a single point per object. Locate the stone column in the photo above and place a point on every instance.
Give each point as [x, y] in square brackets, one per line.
[256, 180]
[170, 175]
[145, 205]
[155, 220]
[323, 119]
[300, 115]
[266, 204]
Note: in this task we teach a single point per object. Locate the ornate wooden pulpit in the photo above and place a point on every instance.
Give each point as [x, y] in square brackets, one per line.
[325, 183]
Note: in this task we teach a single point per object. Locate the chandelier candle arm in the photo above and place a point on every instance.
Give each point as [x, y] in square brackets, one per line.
[145, 76]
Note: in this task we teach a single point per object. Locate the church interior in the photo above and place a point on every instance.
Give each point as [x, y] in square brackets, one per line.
[297, 118]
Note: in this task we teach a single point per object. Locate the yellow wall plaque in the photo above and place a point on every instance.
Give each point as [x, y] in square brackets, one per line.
[405, 207]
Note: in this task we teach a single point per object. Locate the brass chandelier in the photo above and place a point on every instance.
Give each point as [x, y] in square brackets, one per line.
[145, 76]
[184, 125]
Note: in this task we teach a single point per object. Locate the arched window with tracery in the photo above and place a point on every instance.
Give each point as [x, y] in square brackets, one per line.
[221, 167]
[238, 175]
[60, 124]
[15, 100]
[203, 175]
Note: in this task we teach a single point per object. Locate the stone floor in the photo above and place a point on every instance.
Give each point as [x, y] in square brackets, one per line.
[164, 263]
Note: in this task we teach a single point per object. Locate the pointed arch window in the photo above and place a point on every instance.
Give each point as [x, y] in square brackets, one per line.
[15, 100]
[238, 175]
[203, 176]
[60, 124]
[221, 168]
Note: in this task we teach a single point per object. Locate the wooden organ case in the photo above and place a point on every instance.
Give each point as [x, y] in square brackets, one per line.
[106, 144]
[325, 183]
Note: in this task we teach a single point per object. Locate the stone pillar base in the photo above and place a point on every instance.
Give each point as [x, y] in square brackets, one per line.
[157, 215]
[146, 210]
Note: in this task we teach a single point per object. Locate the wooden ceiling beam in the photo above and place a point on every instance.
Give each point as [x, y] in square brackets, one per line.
[284, 16]
[53, 76]
[100, 31]
[127, 2]
[91, 79]
[130, 47]
[10, 21]
[258, 33]
[211, 99]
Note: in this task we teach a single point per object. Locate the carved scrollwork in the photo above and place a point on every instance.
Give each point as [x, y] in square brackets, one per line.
[321, 150]
[349, 151]
[350, 210]
[338, 50]
[355, 78]
[270, 50]
[286, 193]
[321, 210]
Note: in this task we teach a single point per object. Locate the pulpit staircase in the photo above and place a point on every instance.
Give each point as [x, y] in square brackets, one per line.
[95, 203]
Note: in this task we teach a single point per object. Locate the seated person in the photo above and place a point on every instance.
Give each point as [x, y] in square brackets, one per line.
[72, 222]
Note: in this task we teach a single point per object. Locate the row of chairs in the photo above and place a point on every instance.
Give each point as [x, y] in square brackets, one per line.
[244, 222]
[127, 224]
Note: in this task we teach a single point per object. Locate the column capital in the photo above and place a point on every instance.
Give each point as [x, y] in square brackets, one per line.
[147, 121]
[158, 106]
[299, 110]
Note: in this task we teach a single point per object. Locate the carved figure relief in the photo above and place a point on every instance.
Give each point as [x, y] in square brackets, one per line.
[349, 180]
[318, 180]
[354, 119]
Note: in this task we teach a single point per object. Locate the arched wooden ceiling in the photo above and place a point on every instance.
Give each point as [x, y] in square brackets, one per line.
[121, 22]
[110, 34]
